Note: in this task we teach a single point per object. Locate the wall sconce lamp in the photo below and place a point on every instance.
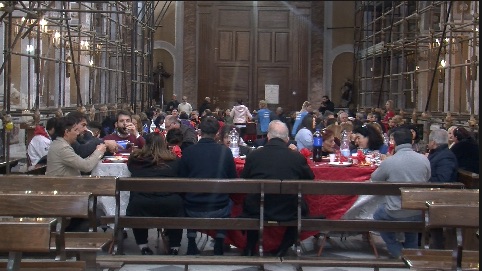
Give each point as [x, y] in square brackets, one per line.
[441, 71]
[43, 25]
[30, 49]
[56, 39]
[68, 61]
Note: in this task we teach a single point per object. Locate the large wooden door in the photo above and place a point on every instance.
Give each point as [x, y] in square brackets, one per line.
[243, 47]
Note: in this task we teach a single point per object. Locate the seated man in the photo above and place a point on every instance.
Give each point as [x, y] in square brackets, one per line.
[408, 166]
[265, 163]
[40, 143]
[207, 159]
[126, 130]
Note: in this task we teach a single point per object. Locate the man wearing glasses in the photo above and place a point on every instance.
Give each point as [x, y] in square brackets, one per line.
[189, 134]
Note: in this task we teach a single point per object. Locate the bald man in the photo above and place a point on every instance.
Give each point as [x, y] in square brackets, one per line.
[265, 163]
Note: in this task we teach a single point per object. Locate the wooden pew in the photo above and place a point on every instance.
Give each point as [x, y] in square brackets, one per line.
[84, 245]
[33, 226]
[354, 225]
[262, 187]
[196, 186]
[447, 215]
[417, 198]
[469, 179]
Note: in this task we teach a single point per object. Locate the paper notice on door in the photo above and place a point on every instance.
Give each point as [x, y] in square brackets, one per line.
[271, 94]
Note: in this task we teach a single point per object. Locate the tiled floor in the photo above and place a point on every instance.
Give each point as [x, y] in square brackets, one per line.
[336, 247]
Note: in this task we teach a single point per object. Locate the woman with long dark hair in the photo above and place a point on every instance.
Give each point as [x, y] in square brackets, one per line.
[155, 160]
[369, 139]
[304, 136]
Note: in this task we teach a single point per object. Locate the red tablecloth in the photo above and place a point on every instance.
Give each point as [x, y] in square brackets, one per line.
[331, 206]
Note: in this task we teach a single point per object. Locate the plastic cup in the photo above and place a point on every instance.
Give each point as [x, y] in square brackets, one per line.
[122, 143]
[332, 157]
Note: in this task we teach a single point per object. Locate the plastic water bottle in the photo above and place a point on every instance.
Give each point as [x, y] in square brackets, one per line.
[345, 144]
[153, 126]
[386, 140]
[145, 128]
[234, 142]
[317, 144]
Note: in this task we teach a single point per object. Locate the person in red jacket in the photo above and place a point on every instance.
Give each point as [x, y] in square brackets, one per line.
[390, 114]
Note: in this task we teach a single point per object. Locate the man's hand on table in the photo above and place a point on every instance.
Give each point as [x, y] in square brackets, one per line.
[111, 145]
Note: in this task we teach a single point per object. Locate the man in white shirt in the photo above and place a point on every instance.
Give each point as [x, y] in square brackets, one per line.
[40, 143]
[184, 106]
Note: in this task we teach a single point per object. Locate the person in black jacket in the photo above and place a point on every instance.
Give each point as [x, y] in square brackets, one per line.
[207, 159]
[326, 104]
[443, 165]
[443, 162]
[155, 160]
[275, 161]
[466, 150]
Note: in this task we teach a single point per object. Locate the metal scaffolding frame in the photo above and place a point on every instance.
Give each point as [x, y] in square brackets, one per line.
[423, 55]
[103, 48]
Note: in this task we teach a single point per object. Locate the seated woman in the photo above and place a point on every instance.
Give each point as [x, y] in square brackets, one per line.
[329, 145]
[466, 150]
[304, 136]
[155, 160]
[223, 138]
[369, 139]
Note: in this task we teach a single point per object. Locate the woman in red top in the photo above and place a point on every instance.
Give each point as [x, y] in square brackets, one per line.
[390, 114]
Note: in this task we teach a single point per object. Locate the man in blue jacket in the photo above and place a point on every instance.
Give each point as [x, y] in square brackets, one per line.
[443, 162]
[207, 159]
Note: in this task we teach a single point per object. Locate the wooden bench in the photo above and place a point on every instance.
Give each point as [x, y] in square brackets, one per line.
[447, 215]
[84, 245]
[417, 198]
[351, 188]
[469, 179]
[262, 187]
[31, 225]
[196, 186]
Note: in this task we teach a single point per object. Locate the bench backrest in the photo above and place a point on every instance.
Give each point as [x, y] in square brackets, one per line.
[97, 186]
[453, 215]
[417, 198]
[193, 185]
[26, 234]
[45, 205]
[355, 188]
[469, 179]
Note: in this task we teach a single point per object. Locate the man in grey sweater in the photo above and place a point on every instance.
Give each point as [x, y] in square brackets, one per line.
[408, 166]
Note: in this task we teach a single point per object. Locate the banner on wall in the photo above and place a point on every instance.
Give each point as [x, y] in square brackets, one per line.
[271, 94]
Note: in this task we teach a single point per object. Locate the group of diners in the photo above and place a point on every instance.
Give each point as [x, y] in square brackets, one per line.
[174, 149]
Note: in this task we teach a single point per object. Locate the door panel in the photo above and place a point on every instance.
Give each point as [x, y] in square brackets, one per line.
[242, 47]
[274, 76]
[233, 84]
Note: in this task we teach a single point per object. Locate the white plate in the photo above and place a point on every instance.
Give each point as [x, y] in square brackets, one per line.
[116, 159]
[337, 164]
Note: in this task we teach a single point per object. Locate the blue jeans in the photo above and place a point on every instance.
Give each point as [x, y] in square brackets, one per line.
[390, 238]
[221, 213]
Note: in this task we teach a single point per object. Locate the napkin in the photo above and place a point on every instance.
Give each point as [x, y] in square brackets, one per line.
[239, 161]
[177, 151]
[360, 157]
[306, 153]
